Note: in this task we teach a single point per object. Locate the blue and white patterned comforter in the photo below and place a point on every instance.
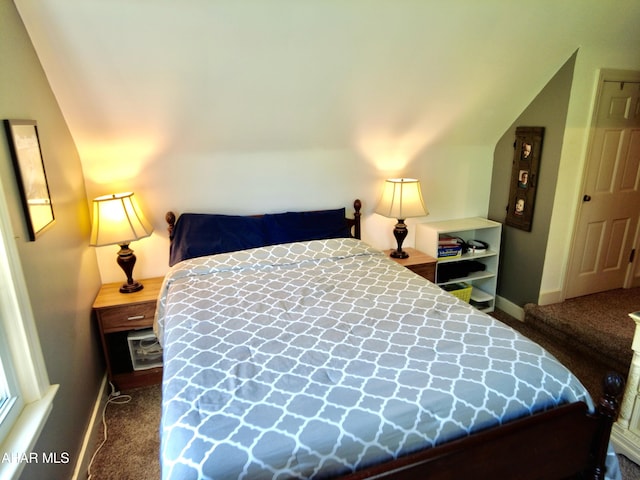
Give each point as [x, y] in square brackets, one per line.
[314, 359]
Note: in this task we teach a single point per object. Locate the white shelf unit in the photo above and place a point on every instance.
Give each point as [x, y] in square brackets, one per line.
[485, 282]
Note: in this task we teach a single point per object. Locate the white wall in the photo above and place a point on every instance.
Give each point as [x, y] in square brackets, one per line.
[279, 104]
[279, 181]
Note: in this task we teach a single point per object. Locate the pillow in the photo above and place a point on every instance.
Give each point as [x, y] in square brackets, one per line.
[302, 226]
[197, 235]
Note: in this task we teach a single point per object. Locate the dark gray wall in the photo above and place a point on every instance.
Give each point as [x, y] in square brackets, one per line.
[60, 268]
[522, 257]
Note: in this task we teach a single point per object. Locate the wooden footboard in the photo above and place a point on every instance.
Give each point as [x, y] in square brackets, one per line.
[566, 442]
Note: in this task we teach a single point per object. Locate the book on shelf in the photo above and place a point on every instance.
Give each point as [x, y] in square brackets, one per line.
[444, 240]
[449, 251]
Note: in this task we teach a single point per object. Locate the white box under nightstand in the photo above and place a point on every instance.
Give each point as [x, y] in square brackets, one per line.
[145, 349]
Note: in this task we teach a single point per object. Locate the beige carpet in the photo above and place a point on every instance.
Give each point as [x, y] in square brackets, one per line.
[597, 325]
[133, 442]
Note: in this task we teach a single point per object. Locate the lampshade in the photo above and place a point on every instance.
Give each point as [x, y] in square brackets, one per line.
[402, 198]
[117, 219]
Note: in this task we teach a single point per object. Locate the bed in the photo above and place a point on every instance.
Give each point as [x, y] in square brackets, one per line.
[292, 349]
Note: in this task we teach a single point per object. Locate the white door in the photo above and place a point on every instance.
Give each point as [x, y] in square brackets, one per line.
[607, 222]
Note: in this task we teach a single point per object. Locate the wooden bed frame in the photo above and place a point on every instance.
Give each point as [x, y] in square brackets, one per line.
[564, 442]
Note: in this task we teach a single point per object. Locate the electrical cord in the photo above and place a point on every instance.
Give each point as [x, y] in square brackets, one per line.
[115, 398]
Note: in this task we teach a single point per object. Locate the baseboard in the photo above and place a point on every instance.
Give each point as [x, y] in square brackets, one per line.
[551, 297]
[88, 443]
[507, 306]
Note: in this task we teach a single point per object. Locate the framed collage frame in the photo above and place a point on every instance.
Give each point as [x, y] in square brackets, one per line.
[24, 145]
[527, 150]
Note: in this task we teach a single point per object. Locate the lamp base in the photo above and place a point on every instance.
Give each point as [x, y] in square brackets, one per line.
[399, 254]
[126, 260]
[130, 288]
[400, 232]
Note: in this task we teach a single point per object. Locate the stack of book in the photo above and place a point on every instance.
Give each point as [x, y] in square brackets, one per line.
[449, 247]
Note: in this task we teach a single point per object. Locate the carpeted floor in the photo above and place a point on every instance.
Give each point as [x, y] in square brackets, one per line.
[597, 325]
[131, 451]
[133, 441]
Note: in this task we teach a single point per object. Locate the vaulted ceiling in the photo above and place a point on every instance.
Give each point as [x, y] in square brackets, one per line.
[277, 75]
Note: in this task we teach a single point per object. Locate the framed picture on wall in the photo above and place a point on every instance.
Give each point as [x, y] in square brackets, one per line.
[24, 145]
[527, 150]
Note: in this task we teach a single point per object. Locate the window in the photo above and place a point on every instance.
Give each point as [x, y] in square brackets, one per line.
[25, 393]
[10, 401]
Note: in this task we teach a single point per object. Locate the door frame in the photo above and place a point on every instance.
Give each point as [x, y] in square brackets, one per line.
[605, 75]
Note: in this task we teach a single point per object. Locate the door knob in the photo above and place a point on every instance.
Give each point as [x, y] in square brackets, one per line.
[586, 198]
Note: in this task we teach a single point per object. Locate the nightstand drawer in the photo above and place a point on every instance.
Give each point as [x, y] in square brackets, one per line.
[127, 317]
[418, 262]
[426, 271]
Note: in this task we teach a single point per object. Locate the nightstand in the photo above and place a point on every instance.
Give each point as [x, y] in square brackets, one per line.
[418, 262]
[119, 315]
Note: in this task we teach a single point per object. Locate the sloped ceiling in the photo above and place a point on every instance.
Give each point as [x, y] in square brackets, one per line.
[260, 75]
